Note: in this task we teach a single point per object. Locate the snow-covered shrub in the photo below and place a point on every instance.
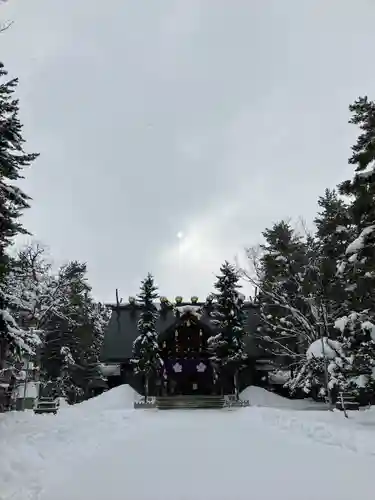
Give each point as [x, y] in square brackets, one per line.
[321, 357]
[358, 342]
[346, 364]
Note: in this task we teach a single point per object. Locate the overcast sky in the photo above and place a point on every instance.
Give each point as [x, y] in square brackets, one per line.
[204, 119]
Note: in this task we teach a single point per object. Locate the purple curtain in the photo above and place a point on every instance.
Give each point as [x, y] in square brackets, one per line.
[187, 366]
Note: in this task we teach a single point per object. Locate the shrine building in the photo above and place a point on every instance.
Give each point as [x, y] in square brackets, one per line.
[183, 331]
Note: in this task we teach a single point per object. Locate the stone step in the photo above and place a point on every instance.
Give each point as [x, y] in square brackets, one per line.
[189, 402]
[190, 397]
[46, 405]
[179, 404]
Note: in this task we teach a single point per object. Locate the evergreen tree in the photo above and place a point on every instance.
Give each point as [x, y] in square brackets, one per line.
[334, 231]
[309, 288]
[99, 318]
[358, 269]
[357, 266]
[13, 160]
[294, 309]
[73, 336]
[283, 256]
[229, 318]
[61, 311]
[325, 294]
[283, 287]
[31, 288]
[12, 202]
[93, 380]
[355, 371]
[346, 234]
[146, 352]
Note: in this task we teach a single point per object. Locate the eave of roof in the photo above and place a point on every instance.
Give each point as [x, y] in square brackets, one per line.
[122, 329]
[127, 305]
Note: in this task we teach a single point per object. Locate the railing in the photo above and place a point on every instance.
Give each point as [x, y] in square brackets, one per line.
[145, 403]
[46, 405]
[346, 401]
[236, 403]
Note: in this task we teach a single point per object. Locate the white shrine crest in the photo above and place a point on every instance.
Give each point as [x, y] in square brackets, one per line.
[177, 368]
[201, 367]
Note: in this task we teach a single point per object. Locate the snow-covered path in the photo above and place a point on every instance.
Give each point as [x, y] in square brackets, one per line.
[207, 455]
[101, 450]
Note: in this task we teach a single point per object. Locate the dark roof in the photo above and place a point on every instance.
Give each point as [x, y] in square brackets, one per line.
[122, 329]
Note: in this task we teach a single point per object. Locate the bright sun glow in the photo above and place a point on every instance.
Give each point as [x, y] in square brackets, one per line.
[180, 235]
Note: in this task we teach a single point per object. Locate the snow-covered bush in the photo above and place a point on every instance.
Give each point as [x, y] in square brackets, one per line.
[346, 364]
[358, 343]
[322, 356]
[17, 341]
[146, 351]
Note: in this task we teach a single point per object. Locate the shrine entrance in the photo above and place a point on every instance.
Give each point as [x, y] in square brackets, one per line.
[186, 358]
[189, 376]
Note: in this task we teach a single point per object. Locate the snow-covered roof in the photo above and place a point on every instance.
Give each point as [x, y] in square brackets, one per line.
[109, 370]
[122, 329]
[190, 309]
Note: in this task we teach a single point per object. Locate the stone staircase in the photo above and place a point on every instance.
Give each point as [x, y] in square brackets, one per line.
[46, 405]
[193, 402]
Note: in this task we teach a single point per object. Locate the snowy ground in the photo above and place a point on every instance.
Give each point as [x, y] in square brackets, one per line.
[262, 398]
[103, 449]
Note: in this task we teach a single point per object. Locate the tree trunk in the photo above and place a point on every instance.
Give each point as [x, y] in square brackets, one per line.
[326, 375]
[146, 387]
[236, 392]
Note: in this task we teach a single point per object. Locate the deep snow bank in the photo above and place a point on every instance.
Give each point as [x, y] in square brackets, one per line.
[118, 398]
[34, 446]
[261, 397]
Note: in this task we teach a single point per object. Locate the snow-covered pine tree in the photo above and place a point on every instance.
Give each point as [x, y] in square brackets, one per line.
[229, 317]
[13, 340]
[99, 318]
[326, 296]
[358, 268]
[283, 255]
[282, 285]
[13, 160]
[92, 377]
[356, 371]
[31, 288]
[68, 329]
[146, 352]
[294, 309]
[334, 231]
[60, 310]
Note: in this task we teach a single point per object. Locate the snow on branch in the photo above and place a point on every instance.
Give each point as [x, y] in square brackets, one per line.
[356, 246]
